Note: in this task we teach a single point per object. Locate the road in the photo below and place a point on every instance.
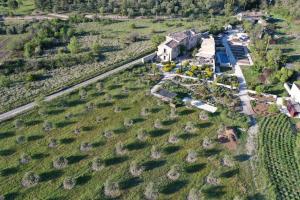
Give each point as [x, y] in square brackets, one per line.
[17, 111]
[243, 93]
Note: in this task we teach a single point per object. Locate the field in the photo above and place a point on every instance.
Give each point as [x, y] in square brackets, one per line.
[114, 50]
[84, 117]
[25, 9]
[278, 150]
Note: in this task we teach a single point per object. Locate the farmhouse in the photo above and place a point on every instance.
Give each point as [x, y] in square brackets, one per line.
[176, 43]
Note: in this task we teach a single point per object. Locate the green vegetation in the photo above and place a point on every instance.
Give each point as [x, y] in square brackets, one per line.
[79, 147]
[278, 149]
[14, 7]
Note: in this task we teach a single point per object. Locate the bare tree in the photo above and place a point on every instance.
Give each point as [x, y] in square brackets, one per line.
[158, 124]
[60, 163]
[145, 111]
[226, 161]
[192, 156]
[173, 174]
[24, 159]
[85, 146]
[190, 127]
[21, 139]
[117, 109]
[69, 183]
[173, 113]
[19, 124]
[128, 122]
[53, 143]
[203, 116]
[194, 194]
[173, 139]
[108, 133]
[155, 152]
[136, 169]
[211, 179]
[97, 164]
[120, 149]
[47, 126]
[142, 135]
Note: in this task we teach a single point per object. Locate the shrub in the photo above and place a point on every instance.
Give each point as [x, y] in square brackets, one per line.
[85, 146]
[60, 163]
[120, 149]
[24, 159]
[155, 152]
[111, 189]
[21, 139]
[194, 194]
[136, 169]
[128, 122]
[53, 143]
[97, 164]
[173, 139]
[173, 174]
[69, 183]
[30, 179]
[142, 135]
[151, 193]
[192, 156]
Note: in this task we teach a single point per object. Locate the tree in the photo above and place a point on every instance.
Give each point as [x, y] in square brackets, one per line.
[74, 46]
[30, 179]
[157, 39]
[12, 4]
[151, 192]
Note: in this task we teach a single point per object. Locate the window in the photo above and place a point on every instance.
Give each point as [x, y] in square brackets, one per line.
[164, 57]
[165, 50]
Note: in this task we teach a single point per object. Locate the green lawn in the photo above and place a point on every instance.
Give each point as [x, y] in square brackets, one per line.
[233, 181]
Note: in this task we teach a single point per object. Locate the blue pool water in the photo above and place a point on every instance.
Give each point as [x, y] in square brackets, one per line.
[223, 57]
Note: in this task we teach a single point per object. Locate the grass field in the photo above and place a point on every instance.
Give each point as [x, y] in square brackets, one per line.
[25, 9]
[278, 147]
[232, 181]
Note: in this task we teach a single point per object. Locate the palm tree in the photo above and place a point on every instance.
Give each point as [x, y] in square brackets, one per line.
[111, 189]
[151, 192]
[69, 183]
[30, 179]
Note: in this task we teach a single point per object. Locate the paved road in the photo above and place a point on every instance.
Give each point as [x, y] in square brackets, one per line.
[27, 107]
[243, 93]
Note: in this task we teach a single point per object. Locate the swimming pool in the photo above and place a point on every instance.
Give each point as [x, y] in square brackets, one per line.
[222, 57]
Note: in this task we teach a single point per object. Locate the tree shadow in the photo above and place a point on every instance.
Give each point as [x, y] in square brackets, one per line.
[120, 96]
[54, 174]
[194, 168]
[67, 140]
[214, 191]
[211, 152]
[98, 144]
[155, 110]
[55, 111]
[76, 159]
[9, 171]
[115, 160]
[169, 122]
[204, 125]
[83, 179]
[104, 104]
[256, 196]
[230, 173]
[152, 164]
[174, 187]
[158, 132]
[38, 156]
[35, 137]
[186, 112]
[33, 122]
[64, 124]
[74, 103]
[171, 149]
[138, 120]
[130, 183]
[11, 196]
[242, 157]
[187, 136]
[114, 86]
[120, 130]
[137, 145]
[6, 134]
[7, 152]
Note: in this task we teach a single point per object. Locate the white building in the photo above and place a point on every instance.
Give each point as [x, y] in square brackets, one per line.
[295, 92]
[176, 42]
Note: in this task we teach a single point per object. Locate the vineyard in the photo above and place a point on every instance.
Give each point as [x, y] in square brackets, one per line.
[278, 144]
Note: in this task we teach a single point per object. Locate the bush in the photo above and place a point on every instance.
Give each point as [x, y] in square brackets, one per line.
[30, 179]
[60, 163]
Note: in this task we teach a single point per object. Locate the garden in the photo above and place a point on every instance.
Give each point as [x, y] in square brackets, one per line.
[113, 140]
[278, 150]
